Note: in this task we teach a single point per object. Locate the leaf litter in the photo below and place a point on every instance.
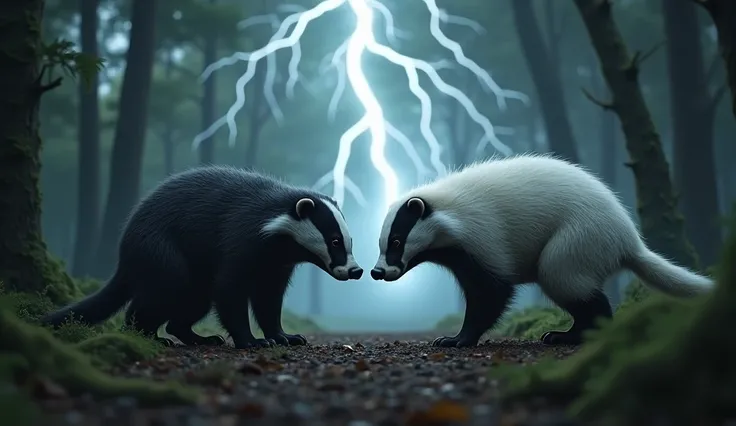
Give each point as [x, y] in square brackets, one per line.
[354, 380]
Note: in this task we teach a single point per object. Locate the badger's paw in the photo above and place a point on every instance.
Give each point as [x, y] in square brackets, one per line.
[255, 344]
[553, 338]
[458, 341]
[166, 341]
[285, 339]
[214, 340]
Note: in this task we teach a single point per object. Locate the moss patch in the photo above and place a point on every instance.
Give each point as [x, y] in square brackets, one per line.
[529, 323]
[661, 359]
[29, 352]
[118, 349]
[292, 323]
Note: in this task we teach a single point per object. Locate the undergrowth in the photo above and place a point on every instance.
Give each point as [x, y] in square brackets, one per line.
[660, 361]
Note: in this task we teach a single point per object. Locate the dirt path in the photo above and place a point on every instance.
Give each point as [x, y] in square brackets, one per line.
[357, 380]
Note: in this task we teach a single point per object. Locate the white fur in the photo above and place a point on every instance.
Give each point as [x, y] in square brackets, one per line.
[534, 218]
[308, 236]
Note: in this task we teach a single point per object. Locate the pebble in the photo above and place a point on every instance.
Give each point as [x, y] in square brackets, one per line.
[345, 381]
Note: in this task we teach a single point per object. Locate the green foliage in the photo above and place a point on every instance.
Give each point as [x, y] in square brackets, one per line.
[529, 323]
[115, 349]
[532, 322]
[88, 285]
[60, 53]
[292, 323]
[29, 352]
[107, 344]
[661, 359]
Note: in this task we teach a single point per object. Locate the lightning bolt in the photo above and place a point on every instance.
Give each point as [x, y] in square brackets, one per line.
[347, 60]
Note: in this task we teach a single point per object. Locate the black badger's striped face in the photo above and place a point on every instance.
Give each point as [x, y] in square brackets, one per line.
[319, 227]
[408, 230]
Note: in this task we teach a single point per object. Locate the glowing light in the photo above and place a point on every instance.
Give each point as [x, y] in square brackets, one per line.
[347, 61]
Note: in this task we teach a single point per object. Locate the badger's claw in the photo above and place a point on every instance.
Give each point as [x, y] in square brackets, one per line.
[458, 341]
[561, 338]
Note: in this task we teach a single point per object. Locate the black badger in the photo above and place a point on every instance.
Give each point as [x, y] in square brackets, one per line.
[222, 236]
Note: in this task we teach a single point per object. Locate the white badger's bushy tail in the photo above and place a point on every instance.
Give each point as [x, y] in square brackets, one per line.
[659, 273]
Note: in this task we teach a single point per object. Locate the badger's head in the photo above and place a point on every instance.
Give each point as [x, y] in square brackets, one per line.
[318, 228]
[411, 228]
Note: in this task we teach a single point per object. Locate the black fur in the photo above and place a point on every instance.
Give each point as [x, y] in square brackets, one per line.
[585, 314]
[194, 241]
[487, 294]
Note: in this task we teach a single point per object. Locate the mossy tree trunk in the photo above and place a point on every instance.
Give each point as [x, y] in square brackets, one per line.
[662, 225]
[88, 180]
[544, 68]
[130, 133]
[692, 115]
[24, 262]
[723, 13]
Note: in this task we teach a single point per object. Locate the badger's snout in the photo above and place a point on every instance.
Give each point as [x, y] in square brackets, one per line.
[349, 271]
[384, 271]
[378, 273]
[355, 273]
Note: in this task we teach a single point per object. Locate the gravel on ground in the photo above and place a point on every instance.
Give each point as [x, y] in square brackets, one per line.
[351, 380]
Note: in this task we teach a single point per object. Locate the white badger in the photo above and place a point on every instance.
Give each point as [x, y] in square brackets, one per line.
[518, 220]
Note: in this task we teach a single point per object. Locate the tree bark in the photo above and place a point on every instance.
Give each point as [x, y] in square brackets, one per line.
[209, 102]
[25, 264]
[257, 116]
[661, 224]
[692, 116]
[167, 135]
[130, 132]
[608, 161]
[545, 72]
[88, 156]
[723, 13]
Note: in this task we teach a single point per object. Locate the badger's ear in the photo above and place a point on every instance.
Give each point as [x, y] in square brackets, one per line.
[304, 207]
[416, 206]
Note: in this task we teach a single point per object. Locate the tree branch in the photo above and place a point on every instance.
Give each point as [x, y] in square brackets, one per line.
[632, 70]
[43, 88]
[608, 106]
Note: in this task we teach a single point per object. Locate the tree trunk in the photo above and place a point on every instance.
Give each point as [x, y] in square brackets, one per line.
[661, 224]
[608, 163]
[259, 113]
[88, 156]
[130, 133]
[25, 264]
[209, 102]
[545, 73]
[723, 13]
[167, 136]
[692, 115]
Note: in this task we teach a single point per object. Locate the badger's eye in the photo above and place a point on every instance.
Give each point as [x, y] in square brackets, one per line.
[396, 243]
[336, 242]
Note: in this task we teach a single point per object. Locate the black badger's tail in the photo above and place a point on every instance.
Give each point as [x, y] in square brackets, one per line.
[95, 308]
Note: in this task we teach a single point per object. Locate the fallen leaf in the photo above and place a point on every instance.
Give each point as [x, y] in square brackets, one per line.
[439, 413]
[249, 368]
[251, 409]
[439, 356]
[334, 371]
[331, 386]
[362, 365]
[348, 348]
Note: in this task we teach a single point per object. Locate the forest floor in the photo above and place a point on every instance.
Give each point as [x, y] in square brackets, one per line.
[351, 380]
